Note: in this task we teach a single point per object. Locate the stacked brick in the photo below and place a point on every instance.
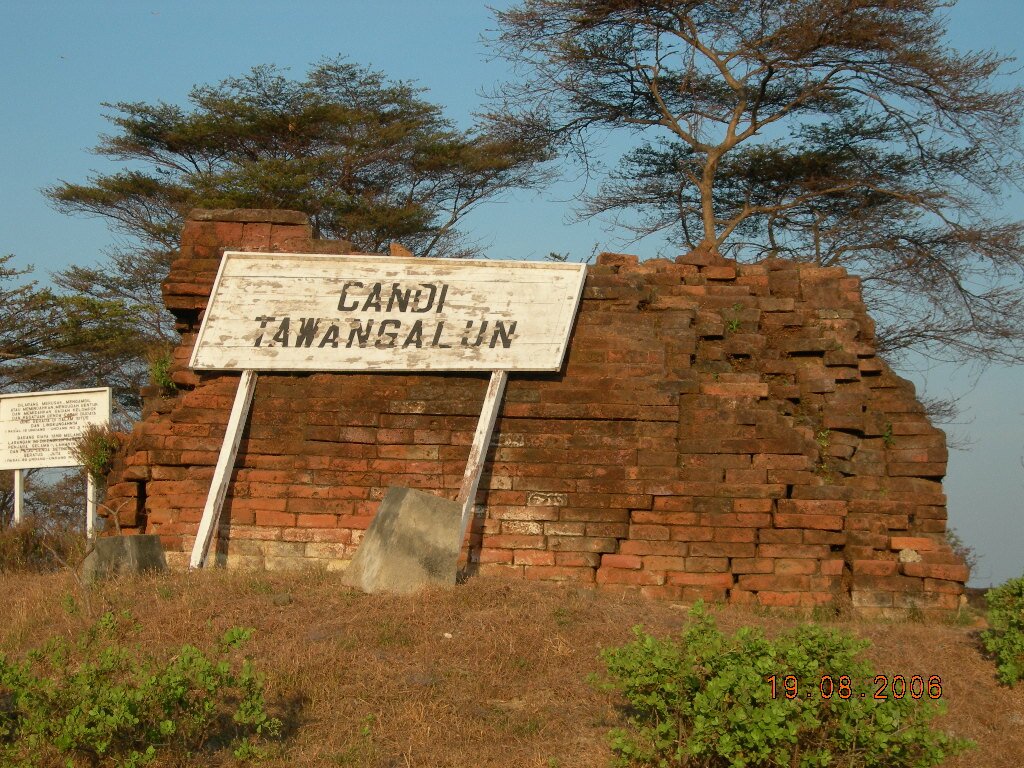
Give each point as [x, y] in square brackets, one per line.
[719, 431]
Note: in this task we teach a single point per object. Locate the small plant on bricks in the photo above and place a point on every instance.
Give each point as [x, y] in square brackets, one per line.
[95, 450]
[99, 703]
[160, 361]
[711, 700]
[824, 465]
[733, 324]
[1005, 637]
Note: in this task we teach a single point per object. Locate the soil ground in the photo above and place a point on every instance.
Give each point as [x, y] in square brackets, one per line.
[491, 673]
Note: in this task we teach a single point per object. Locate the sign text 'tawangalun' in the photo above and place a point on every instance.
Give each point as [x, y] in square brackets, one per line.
[315, 312]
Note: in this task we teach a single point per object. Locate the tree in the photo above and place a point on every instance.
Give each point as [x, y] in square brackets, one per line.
[843, 132]
[50, 340]
[28, 317]
[369, 160]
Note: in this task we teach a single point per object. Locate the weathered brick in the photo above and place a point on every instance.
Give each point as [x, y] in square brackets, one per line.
[522, 527]
[608, 530]
[691, 533]
[621, 561]
[774, 583]
[559, 573]
[753, 565]
[722, 549]
[735, 535]
[521, 513]
[957, 573]
[707, 564]
[823, 522]
[581, 544]
[533, 557]
[489, 555]
[752, 505]
[779, 599]
[919, 543]
[721, 580]
[735, 389]
[629, 576]
[784, 536]
[789, 567]
[874, 567]
[546, 499]
[664, 563]
[503, 541]
[272, 518]
[560, 528]
[945, 587]
[816, 551]
[657, 517]
[578, 559]
[667, 548]
[649, 532]
[832, 567]
[812, 507]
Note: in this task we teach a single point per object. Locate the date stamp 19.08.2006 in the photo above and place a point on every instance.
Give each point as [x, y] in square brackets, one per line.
[845, 687]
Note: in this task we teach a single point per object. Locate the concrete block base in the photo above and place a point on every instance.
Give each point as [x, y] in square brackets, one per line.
[123, 555]
[413, 541]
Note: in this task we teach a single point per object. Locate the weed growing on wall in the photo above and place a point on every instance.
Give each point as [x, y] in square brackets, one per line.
[95, 450]
[706, 699]
[97, 702]
[1005, 637]
[160, 362]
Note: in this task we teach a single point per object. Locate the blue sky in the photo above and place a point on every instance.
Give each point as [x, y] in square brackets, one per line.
[60, 60]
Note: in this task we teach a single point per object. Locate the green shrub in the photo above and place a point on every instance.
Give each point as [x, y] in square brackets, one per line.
[1005, 637]
[706, 700]
[99, 703]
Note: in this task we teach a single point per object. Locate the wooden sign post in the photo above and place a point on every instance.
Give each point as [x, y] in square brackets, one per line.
[222, 472]
[41, 429]
[478, 451]
[19, 493]
[314, 312]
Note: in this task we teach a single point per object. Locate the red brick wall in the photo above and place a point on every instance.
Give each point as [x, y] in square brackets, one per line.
[719, 430]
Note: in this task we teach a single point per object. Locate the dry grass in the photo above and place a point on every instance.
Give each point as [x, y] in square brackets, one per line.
[491, 673]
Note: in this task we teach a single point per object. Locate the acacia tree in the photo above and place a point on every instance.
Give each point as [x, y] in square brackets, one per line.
[28, 317]
[368, 159]
[51, 340]
[843, 132]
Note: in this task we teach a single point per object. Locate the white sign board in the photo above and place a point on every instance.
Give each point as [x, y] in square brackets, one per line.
[313, 312]
[40, 429]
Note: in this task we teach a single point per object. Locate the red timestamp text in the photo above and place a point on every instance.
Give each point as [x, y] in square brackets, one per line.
[845, 687]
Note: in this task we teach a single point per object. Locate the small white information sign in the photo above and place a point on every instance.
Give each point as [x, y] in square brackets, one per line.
[313, 312]
[40, 429]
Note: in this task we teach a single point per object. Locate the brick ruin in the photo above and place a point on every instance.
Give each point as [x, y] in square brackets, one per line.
[718, 431]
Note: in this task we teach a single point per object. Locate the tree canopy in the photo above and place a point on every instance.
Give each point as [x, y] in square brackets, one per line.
[51, 340]
[368, 159]
[844, 132]
[26, 311]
